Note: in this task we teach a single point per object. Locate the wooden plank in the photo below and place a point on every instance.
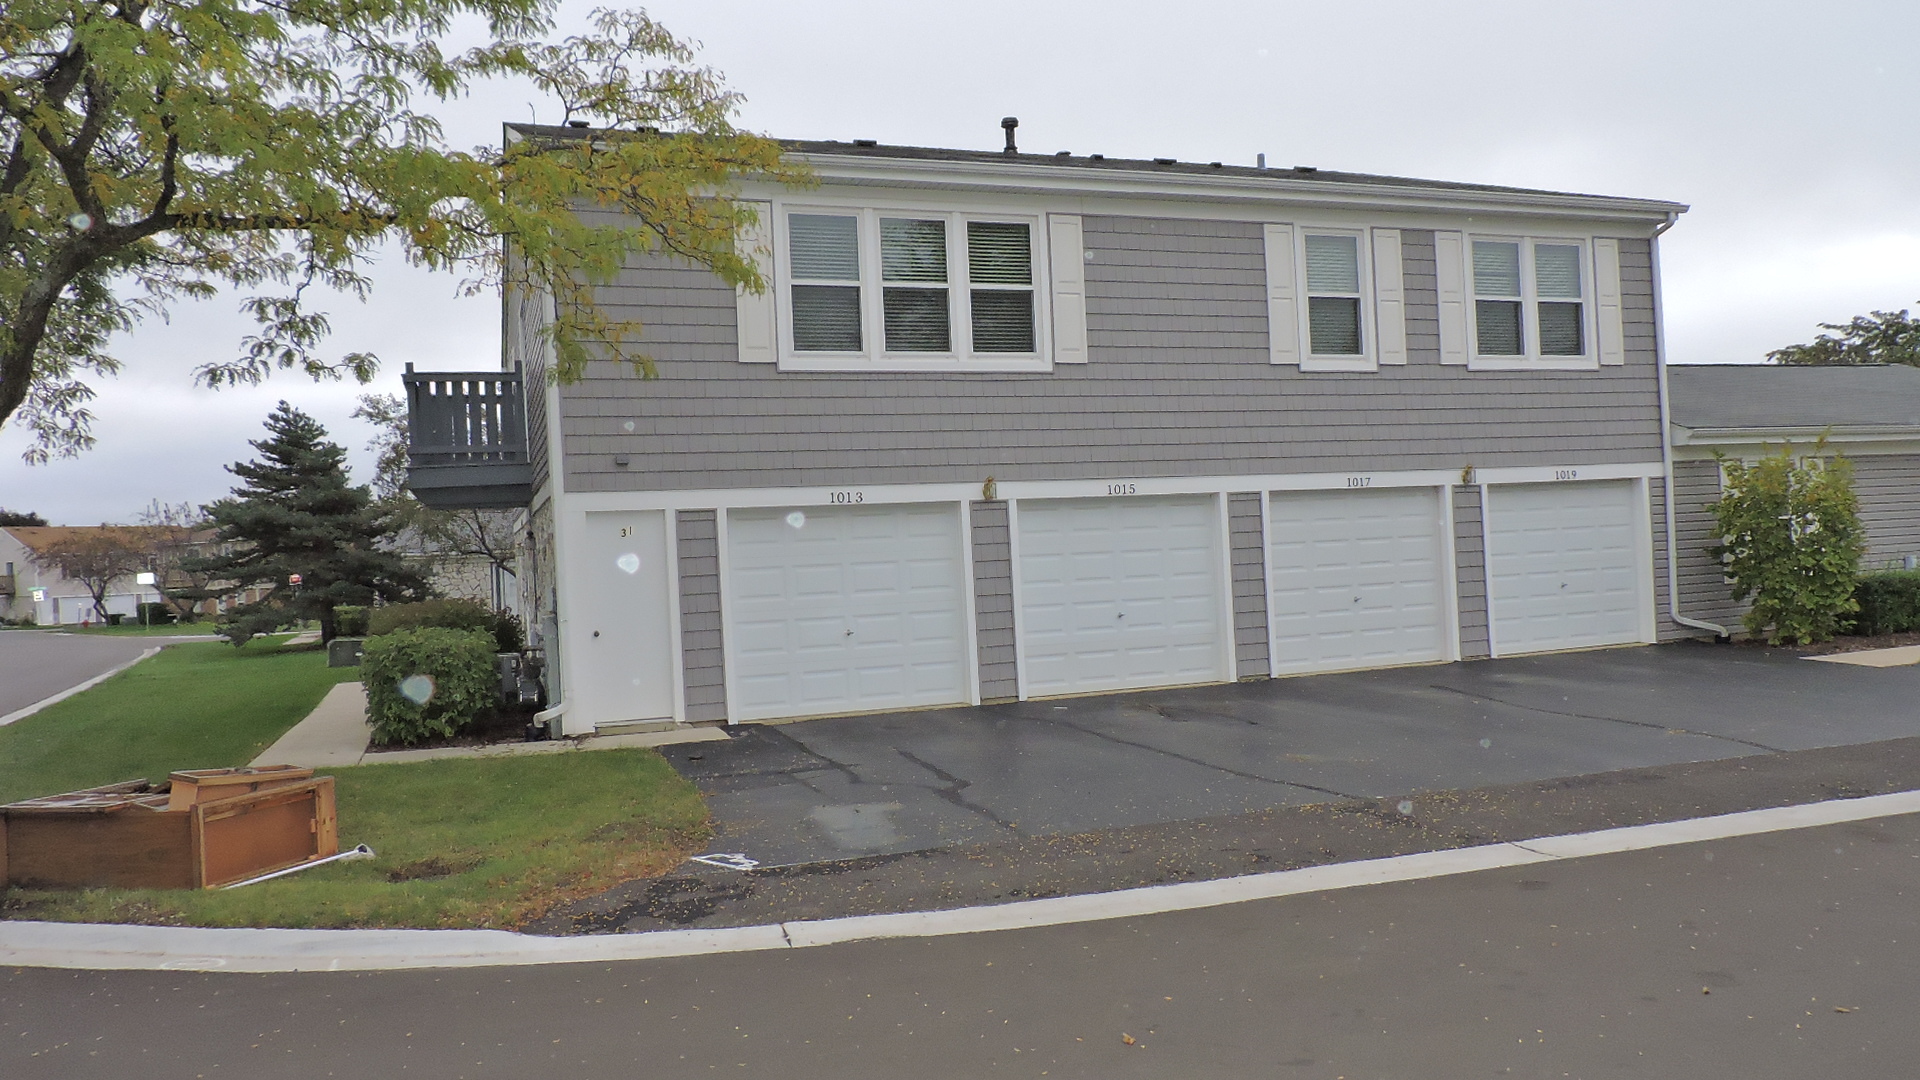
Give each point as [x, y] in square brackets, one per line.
[258, 832]
[144, 849]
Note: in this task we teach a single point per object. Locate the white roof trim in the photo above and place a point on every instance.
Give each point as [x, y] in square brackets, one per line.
[1280, 188]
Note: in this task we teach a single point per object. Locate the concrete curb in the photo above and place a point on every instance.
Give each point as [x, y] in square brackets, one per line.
[170, 948]
[22, 714]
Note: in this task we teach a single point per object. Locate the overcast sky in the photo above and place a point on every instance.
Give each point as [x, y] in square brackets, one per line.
[1786, 126]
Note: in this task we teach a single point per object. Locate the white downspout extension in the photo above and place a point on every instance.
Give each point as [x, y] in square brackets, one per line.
[1666, 446]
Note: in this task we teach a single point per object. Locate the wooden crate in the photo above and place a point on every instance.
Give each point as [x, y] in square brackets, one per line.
[201, 829]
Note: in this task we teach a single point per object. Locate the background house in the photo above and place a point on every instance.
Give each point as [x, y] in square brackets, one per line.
[29, 591]
[1870, 413]
[1012, 426]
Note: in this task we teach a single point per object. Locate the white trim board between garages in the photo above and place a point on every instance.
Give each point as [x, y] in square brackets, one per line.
[89, 946]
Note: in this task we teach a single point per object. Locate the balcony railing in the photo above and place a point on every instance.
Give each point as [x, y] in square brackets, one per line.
[467, 439]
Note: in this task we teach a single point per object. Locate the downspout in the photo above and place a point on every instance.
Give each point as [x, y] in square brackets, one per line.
[1666, 445]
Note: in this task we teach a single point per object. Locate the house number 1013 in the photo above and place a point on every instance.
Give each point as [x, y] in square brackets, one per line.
[846, 498]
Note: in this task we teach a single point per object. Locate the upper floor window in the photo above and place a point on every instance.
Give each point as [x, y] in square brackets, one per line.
[872, 288]
[1530, 299]
[1333, 295]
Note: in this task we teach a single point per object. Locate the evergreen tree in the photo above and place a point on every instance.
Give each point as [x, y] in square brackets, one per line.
[298, 514]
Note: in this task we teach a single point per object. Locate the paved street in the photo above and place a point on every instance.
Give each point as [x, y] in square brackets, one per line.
[871, 785]
[1785, 955]
[38, 664]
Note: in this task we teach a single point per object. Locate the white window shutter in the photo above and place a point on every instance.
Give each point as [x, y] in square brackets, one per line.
[1606, 293]
[1450, 272]
[1067, 265]
[755, 311]
[1283, 302]
[1389, 297]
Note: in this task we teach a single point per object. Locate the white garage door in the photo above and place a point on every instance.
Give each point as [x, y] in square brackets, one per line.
[1358, 579]
[1118, 594]
[845, 609]
[1565, 567]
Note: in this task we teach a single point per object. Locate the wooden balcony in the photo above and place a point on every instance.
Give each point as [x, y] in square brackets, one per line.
[467, 439]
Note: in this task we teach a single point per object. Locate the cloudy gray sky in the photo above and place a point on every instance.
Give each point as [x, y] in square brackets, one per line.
[1786, 126]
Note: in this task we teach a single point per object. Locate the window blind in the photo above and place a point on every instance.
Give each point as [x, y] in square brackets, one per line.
[1333, 264]
[1002, 321]
[916, 319]
[1556, 271]
[825, 247]
[999, 253]
[826, 318]
[913, 250]
[1496, 269]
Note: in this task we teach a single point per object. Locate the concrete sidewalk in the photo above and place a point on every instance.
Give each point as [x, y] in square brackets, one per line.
[335, 735]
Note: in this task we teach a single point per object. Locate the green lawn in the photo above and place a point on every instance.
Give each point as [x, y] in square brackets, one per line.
[200, 705]
[136, 630]
[461, 843]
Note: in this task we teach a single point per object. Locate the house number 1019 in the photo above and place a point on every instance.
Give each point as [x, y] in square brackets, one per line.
[1566, 474]
[846, 498]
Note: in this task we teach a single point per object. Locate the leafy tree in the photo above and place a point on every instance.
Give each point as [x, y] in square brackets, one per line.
[1884, 337]
[1792, 541]
[156, 151]
[176, 534]
[96, 558]
[298, 514]
[20, 517]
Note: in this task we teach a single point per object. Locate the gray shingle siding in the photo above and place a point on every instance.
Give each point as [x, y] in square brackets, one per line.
[1179, 384]
[1704, 593]
[993, 601]
[1250, 630]
[1469, 548]
[700, 646]
[1888, 486]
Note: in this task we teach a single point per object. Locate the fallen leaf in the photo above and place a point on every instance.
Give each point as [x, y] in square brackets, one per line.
[1126, 1038]
[1838, 1008]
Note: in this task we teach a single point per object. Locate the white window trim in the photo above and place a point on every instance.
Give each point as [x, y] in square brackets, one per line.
[1368, 359]
[1533, 359]
[875, 358]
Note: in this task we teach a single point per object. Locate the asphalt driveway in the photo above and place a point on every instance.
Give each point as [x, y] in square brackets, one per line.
[833, 789]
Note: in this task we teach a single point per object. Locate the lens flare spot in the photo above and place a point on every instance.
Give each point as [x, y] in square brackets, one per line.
[628, 563]
[797, 520]
[417, 688]
[1405, 807]
[1486, 744]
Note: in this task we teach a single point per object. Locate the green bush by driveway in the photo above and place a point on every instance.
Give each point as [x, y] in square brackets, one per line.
[1889, 602]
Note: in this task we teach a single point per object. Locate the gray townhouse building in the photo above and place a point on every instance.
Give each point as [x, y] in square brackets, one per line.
[1012, 426]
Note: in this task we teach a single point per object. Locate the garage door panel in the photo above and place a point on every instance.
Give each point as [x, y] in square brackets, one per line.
[1120, 594]
[846, 609]
[1564, 565]
[1357, 579]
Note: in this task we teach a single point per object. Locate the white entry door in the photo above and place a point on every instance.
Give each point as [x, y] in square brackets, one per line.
[1568, 566]
[1120, 594]
[1358, 579]
[846, 609]
[619, 662]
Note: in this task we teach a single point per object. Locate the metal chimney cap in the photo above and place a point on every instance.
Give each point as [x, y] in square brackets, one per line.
[1009, 123]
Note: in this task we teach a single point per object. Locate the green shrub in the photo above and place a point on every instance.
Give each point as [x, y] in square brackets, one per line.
[427, 682]
[508, 633]
[150, 613]
[350, 620]
[1889, 602]
[449, 615]
[1793, 542]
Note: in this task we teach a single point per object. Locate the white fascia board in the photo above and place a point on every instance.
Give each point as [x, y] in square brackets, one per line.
[1699, 444]
[1572, 473]
[1066, 181]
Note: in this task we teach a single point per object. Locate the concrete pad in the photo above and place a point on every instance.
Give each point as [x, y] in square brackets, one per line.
[333, 735]
[1900, 656]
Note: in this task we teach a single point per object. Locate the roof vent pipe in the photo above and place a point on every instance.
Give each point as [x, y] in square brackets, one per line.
[1008, 123]
[1260, 161]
